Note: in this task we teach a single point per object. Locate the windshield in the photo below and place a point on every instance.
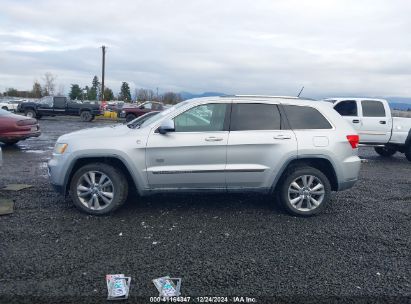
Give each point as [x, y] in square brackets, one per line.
[162, 114]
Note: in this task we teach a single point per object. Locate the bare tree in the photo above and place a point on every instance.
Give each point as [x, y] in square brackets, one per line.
[171, 98]
[60, 91]
[145, 95]
[49, 84]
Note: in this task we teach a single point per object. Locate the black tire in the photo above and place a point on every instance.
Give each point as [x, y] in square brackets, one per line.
[5, 108]
[119, 188]
[39, 116]
[10, 142]
[294, 174]
[408, 152]
[30, 113]
[130, 117]
[385, 151]
[86, 116]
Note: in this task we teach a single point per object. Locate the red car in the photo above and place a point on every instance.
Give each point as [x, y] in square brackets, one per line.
[14, 128]
[131, 112]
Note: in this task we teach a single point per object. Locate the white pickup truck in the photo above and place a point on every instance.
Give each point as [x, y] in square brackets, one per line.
[376, 127]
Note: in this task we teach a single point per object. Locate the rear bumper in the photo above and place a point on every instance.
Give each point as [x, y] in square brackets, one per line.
[349, 173]
[19, 135]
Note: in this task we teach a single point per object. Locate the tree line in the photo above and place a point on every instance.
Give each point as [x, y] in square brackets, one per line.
[92, 92]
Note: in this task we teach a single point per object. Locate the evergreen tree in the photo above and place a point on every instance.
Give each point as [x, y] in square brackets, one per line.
[125, 92]
[75, 92]
[108, 94]
[94, 90]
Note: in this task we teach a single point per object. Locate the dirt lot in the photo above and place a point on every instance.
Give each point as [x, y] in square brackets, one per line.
[220, 245]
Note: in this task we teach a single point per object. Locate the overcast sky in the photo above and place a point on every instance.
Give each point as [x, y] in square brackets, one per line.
[332, 47]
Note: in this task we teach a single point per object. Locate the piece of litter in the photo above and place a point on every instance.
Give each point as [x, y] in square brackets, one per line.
[378, 273]
[6, 206]
[120, 234]
[16, 187]
[155, 243]
[226, 234]
[168, 287]
[358, 287]
[363, 160]
[118, 286]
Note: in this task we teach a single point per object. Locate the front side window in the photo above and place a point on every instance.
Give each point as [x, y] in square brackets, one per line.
[372, 108]
[255, 116]
[347, 108]
[302, 118]
[203, 118]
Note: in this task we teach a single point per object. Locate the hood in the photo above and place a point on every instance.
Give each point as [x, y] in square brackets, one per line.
[111, 131]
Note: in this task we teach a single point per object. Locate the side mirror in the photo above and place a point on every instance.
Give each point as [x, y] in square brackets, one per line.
[166, 126]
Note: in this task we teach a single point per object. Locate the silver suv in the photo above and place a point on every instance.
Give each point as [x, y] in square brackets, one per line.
[300, 150]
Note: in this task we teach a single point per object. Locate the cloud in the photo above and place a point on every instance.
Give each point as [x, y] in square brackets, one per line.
[332, 47]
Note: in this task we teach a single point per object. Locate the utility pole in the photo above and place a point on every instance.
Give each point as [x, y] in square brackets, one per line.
[103, 48]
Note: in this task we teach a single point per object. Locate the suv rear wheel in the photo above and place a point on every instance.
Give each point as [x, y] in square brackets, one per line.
[98, 188]
[305, 191]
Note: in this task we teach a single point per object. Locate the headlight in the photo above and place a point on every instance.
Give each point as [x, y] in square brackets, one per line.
[59, 148]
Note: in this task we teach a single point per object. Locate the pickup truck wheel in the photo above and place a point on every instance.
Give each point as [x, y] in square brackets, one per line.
[30, 113]
[305, 191]
[385, 151]
[86, 116]
[130, 117]
[98, 189]
[408, 152]
[5, 108]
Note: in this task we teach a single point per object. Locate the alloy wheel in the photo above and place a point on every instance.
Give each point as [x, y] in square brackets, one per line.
[95, 190]
[306, 193]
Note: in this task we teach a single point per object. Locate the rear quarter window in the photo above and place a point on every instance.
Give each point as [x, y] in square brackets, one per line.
[303, 118]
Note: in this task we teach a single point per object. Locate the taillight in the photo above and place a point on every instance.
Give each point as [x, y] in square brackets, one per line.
[26, 122]
[353, 140]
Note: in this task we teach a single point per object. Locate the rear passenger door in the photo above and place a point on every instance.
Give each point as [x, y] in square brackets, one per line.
[258, 145]
[376, 126]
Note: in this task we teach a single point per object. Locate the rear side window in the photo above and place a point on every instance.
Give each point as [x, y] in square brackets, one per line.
[372, 108]
[302, 118]
[255, 116]
[347, 108]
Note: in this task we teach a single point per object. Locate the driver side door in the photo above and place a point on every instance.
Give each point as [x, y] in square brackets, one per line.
[194, 155]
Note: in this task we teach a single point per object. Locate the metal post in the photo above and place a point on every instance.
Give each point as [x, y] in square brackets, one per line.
[103, 48]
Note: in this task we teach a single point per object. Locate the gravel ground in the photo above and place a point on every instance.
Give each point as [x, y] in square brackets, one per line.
[358, 249]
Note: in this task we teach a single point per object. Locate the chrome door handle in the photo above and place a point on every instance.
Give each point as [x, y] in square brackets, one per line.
[212, 138]
[282, 136]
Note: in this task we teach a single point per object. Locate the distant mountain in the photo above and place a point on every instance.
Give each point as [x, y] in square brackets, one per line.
[400, 106]
[188, 95]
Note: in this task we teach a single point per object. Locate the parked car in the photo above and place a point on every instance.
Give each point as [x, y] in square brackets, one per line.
[14, 128]
[374, 123]
[54, 105]
[9, 105]
[131, 111]
[136, 123]
[299, 150]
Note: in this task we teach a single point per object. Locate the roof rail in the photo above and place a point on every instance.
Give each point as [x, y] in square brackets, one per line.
[261, 96]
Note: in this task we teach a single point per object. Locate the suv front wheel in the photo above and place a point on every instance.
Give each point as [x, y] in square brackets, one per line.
[305, 191]
[98, 188]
